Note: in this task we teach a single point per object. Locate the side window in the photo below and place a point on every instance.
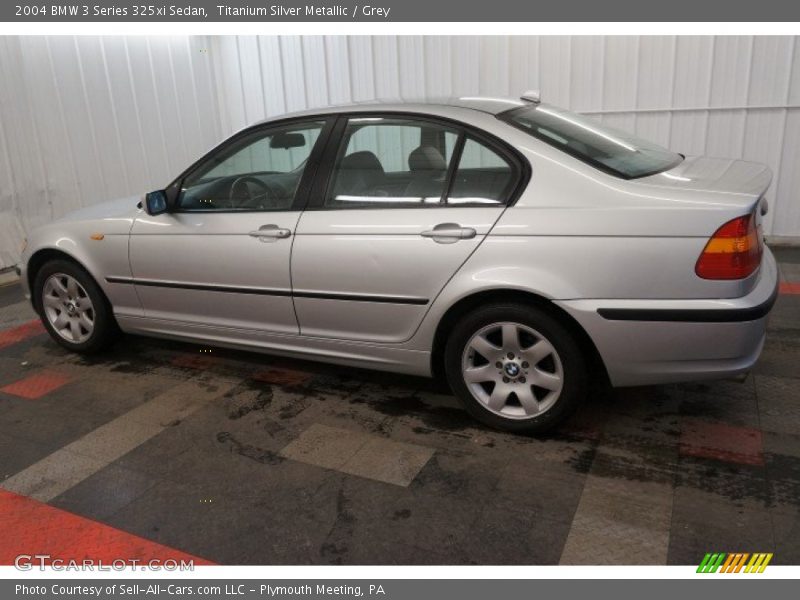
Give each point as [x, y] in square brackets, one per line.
[260, 172]
[483, 177]
[391, 162]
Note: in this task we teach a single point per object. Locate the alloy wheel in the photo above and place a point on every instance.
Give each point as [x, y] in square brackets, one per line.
[68, 308]
[512, 370]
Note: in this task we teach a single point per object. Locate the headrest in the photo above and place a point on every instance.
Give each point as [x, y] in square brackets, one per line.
[362, 161]
[426, 158]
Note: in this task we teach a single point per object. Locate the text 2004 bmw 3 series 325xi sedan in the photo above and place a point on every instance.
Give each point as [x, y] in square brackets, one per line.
[510, 245]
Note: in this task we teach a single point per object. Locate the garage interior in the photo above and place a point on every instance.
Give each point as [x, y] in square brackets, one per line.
[167, 450]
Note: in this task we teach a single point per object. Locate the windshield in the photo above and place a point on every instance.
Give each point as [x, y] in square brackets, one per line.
[613, 151]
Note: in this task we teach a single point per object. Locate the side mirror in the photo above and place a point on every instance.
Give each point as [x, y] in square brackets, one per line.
[155, 203]
[287, 140]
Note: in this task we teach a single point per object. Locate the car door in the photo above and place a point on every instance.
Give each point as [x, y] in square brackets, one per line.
[221, 256]
[400, 205]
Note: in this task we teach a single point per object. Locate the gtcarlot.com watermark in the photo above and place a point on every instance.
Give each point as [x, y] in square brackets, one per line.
[29, 562]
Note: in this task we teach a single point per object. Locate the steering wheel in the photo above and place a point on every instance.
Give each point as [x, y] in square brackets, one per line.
[241, 195]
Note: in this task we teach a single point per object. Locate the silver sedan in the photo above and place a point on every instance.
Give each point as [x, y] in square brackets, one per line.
[514, 248]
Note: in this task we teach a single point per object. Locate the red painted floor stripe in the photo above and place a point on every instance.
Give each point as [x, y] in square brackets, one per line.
[280, 376]
[23, 332]
[702, 439]
[36, 385]
[31, 527]
[195, 361]
[789, 288]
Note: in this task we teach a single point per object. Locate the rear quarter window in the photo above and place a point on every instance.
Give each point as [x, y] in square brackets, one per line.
[616, 152]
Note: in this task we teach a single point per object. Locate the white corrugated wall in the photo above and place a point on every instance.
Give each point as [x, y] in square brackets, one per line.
[83, 119]
[88, 118]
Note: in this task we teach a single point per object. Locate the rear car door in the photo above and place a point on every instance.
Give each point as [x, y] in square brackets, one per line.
[400, 205]
[221, 256]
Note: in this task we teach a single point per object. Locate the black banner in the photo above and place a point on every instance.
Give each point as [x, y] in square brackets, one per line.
[399, 11]
[730, 587]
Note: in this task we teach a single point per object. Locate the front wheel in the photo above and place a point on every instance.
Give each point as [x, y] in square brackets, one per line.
[72, 307]
[515, 367]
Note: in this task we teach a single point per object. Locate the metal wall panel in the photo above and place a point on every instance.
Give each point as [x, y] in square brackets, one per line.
[88, 118]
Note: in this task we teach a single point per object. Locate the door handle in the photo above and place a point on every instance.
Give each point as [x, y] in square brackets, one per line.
[448, 233]
[270, 232]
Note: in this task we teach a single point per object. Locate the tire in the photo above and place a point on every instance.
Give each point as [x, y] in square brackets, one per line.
[536, 389]
[60, 283]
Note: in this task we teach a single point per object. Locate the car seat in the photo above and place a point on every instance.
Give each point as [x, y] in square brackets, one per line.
[428, 171]
[359, 173]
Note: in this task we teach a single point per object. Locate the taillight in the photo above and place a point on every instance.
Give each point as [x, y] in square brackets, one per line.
[733, 252]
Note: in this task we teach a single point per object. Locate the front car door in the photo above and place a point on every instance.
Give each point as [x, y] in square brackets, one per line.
[402, 205]
[220, 258]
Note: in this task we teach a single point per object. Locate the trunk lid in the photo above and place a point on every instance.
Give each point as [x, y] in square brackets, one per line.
[718, 175]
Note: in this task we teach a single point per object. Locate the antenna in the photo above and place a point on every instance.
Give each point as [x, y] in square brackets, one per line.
[532, 96]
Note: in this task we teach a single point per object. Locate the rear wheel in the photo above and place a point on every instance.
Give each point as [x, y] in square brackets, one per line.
[72, 307]
[515, 367]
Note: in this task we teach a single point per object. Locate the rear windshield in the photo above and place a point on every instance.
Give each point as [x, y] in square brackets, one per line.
[613, 151]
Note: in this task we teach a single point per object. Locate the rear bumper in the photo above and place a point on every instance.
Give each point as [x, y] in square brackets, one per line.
[645, 342]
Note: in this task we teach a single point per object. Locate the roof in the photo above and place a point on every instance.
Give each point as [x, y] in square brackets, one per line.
[490, 105]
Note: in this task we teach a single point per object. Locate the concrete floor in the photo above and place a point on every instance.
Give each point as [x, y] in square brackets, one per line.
[159, 448]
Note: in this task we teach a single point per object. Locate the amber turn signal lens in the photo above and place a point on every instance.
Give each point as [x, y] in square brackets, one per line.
[733, 252]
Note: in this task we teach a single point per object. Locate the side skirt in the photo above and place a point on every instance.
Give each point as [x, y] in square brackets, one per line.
[353, 354]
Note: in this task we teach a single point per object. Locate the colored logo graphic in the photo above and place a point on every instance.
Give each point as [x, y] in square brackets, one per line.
[734, 562]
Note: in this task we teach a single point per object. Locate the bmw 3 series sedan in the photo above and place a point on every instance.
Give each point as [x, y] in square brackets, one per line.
[513, 247]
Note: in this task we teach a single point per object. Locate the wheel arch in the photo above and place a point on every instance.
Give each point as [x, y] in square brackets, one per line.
[493, 296]
[40, 258]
